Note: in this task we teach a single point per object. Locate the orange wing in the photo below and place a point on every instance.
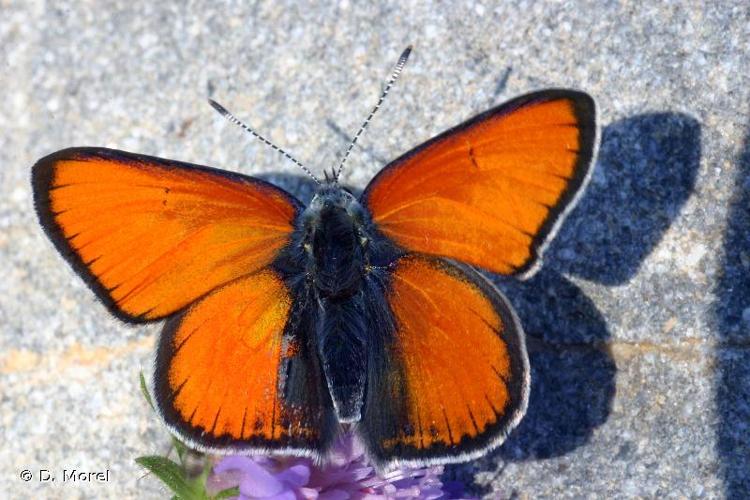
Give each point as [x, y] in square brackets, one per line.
[491, 191]
[459, 381]
[151, 235]
[228, 373]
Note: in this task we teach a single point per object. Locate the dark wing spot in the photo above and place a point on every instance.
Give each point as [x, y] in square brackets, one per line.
[491, 405]
[472, 157]
[408, 429]
[448, 426]
[434, 431]
[176, 392]
[258, 425]
[242, 429]
[501, 376]
[216, 419]
[473, 420]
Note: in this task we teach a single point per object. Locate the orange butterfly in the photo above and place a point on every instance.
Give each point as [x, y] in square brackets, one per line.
[284, 322]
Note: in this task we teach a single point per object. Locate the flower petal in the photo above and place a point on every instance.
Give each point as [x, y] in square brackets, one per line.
[348, 475]
[335, 495]
[258, 482]
[235, 462]
[221, 481]
[309, 493]
[285, 495]
[296, 475]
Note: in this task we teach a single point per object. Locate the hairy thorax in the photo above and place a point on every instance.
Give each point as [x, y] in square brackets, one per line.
[335, 243]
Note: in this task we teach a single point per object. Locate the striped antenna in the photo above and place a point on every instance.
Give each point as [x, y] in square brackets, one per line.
[394, 76]
[229, 116]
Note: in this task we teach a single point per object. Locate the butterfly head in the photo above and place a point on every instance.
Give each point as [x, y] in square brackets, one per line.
[330, 196]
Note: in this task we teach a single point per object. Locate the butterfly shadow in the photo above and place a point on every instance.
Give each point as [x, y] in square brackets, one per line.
[733, 328]
[645, 172]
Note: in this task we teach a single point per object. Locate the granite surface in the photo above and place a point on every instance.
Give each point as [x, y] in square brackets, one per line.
[638, 323]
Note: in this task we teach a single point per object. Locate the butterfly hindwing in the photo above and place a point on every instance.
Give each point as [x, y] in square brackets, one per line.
[234, 372]
[150, 235]
[492, 191]
[457, 377]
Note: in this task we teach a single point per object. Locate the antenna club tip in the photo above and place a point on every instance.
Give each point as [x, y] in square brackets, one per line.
[218, 107]
[405, 54]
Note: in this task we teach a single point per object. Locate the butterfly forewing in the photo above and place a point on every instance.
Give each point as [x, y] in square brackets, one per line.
[491, 191]
[150, 235]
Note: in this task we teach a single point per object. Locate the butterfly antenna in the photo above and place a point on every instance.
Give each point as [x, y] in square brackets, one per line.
[394, 76]
[229, 116]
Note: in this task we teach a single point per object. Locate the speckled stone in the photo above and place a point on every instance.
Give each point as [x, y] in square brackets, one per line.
[638, 324]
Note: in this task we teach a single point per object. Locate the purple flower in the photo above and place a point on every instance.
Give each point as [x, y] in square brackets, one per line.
[347, 475]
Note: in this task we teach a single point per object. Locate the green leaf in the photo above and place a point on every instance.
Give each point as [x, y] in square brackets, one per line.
[180, 448]
[144, 390]
[230, 492]
[174, 477]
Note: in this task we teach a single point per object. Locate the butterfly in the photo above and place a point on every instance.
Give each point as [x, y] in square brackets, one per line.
[286, 324]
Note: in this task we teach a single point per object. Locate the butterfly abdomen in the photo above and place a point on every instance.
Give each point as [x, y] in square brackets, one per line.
[342, 347]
